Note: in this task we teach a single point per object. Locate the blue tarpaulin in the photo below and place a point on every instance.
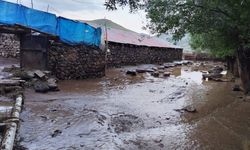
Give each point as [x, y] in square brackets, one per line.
[69, 31]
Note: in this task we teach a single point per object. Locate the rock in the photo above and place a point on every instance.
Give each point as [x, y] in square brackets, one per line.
[21, 74]
[161, 71]
[161, 67]
[41, 87]
[190, 109]
[155, 74]
[150, 70]
[196, 69]
[247, 99]
[131, 72]
[31, 74]
[40, 74]
[52, 84]
[211, 76]
[56, 133]
[178, 63]
[47, 73]
[236, 88]
[141, 70]
[166, 74]
[155, 68]
[216, 70]
[169, 65]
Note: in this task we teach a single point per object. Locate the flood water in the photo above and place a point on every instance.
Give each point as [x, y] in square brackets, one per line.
[121, 112]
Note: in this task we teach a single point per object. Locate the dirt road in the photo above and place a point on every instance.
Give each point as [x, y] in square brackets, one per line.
[141, 112]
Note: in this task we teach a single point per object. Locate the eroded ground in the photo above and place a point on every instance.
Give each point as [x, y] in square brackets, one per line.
[141, 112]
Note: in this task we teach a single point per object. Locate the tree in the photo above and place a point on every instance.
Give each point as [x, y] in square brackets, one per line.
[220, 25]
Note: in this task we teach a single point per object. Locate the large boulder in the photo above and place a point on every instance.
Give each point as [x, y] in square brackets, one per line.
[52, 83]
[41, 87]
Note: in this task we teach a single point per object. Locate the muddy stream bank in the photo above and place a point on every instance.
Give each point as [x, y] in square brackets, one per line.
[136, 112]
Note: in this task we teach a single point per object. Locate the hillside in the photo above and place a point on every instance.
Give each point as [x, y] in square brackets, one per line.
[184, 42]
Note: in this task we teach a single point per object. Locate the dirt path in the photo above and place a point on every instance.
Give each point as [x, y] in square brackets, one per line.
[124, 112]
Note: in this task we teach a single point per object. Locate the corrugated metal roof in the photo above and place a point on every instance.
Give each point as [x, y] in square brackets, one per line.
[125, 37]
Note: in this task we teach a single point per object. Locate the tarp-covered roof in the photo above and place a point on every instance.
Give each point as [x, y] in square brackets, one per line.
[69, 31]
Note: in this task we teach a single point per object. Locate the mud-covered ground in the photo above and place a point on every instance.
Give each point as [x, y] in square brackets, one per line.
[142, 112]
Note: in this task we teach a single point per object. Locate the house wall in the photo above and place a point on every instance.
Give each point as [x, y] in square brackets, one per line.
[126, 54]
[76, 62]
[9, 45]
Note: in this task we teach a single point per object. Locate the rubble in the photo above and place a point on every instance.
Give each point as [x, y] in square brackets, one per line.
[41, 81]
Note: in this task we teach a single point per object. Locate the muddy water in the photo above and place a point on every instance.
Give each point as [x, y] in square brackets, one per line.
[124, 112]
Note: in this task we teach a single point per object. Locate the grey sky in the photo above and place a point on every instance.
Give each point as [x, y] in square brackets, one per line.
[89, 10]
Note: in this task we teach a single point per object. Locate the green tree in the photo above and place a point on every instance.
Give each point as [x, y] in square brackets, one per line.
[221, 26]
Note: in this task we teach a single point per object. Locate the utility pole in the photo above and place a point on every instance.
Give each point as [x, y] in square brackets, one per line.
[31, 3]
[48, 8]
[106, 44]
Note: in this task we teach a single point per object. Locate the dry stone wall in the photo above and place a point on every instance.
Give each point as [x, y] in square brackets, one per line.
[125, 54]
[9, 45]
[76, 62]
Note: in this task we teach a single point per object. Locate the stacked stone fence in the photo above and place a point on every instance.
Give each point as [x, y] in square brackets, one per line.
[10, 45]
[76, 62]
[127, 54]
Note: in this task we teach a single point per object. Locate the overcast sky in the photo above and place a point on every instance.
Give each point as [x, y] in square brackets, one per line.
[89, 10]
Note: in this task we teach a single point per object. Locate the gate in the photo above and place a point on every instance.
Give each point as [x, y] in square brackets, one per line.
[34, 50]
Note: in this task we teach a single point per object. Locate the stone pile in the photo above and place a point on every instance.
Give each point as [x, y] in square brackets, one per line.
[41, 81]
[159, 71]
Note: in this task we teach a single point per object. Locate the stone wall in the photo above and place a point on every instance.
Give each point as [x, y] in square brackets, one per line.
[126, 54]
[76, 62]
[9, 45]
